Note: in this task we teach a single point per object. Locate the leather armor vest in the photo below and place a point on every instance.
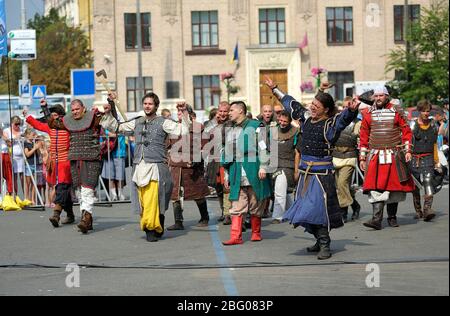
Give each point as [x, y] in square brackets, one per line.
[424, 139]
[383, 133]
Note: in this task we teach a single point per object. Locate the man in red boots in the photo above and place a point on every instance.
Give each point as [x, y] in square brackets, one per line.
[246, 162]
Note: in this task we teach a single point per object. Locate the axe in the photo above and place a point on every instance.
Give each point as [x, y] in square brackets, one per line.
[101, 75]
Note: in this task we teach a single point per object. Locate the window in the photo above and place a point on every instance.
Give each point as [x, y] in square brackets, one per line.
[134, 95]
[131, 42]
[339, 79]
[172, 89]
[272, 26]
[340, 25]
[414, 16]
[206, 91]
[205, 29]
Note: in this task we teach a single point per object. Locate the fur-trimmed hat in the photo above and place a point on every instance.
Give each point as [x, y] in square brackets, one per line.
[58, 109]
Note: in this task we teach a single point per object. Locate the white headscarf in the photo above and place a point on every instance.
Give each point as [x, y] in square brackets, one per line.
[381, 90]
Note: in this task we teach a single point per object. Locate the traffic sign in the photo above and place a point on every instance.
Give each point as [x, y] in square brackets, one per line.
[25, 101]
[23, 44]
[24, 88]
[38, 92]
[82, 82]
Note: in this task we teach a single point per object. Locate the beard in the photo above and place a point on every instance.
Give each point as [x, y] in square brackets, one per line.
[381, 104]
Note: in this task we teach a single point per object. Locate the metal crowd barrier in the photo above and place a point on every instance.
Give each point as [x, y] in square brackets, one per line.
[26, 166]
[106, 200]
[102, 191]
[103, 195]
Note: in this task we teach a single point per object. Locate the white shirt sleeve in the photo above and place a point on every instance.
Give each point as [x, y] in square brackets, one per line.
[108, 122]
[177, 129]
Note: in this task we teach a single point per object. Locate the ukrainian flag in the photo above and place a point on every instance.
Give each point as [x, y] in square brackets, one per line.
[236, 54]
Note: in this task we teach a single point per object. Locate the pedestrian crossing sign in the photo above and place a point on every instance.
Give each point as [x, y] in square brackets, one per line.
[38, 92]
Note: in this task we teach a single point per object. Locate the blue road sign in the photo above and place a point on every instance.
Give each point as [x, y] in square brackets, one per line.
[24, 88]
[38, 92]
[82, 82]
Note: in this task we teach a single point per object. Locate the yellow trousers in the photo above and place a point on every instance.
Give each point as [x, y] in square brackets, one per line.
[148, 197]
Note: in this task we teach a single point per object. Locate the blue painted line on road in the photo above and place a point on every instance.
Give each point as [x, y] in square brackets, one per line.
[225, 273]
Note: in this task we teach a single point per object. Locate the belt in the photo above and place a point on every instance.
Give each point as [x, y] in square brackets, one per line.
[311, 164]
[387, 146]
[419, 157]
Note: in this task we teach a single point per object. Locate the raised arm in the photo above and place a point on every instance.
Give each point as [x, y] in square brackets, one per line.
[292, 106]
[175, 128]
[43, 127]
[111, 124]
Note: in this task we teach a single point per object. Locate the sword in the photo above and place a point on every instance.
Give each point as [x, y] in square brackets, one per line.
[417, 183]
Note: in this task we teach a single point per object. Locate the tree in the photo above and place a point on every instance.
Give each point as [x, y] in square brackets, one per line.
[15, 73]
[424, 66]
[60, 48]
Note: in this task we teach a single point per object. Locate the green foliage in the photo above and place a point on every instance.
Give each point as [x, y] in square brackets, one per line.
[15, 73]
[424, 66]
[60, 48]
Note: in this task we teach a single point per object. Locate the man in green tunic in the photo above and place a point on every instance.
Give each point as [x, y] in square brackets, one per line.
[246, 162]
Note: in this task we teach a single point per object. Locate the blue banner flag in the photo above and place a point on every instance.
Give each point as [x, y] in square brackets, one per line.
[3, 35]
[236, 54]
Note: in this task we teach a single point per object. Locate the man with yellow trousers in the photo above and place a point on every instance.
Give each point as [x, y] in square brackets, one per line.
[151, 175]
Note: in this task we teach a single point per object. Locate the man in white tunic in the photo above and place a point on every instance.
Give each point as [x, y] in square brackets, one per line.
[151, 174]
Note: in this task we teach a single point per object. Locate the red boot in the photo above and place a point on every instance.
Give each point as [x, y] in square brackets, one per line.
[256, 228]
[236, 231]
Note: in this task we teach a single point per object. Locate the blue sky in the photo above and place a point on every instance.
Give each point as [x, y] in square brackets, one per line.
[13, 16]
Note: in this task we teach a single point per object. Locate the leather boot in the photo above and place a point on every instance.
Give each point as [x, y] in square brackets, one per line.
[324, 243]
[428, 213]
[222, 217]
[178, 214]
[417, 204]
[204, 216]
[161, 221]
[177, 226]
[236, 231]
[244, 226]
[356, 207]
[150, 235]
[316, 246]
[392, 214]
[377, 217]
[227, 220]
[70, 216]
[247, 221]
[86, 222]
[56, 216]
[344, 211]
[256, 228]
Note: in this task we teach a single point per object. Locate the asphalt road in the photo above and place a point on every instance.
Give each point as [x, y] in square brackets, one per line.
[115, 258]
